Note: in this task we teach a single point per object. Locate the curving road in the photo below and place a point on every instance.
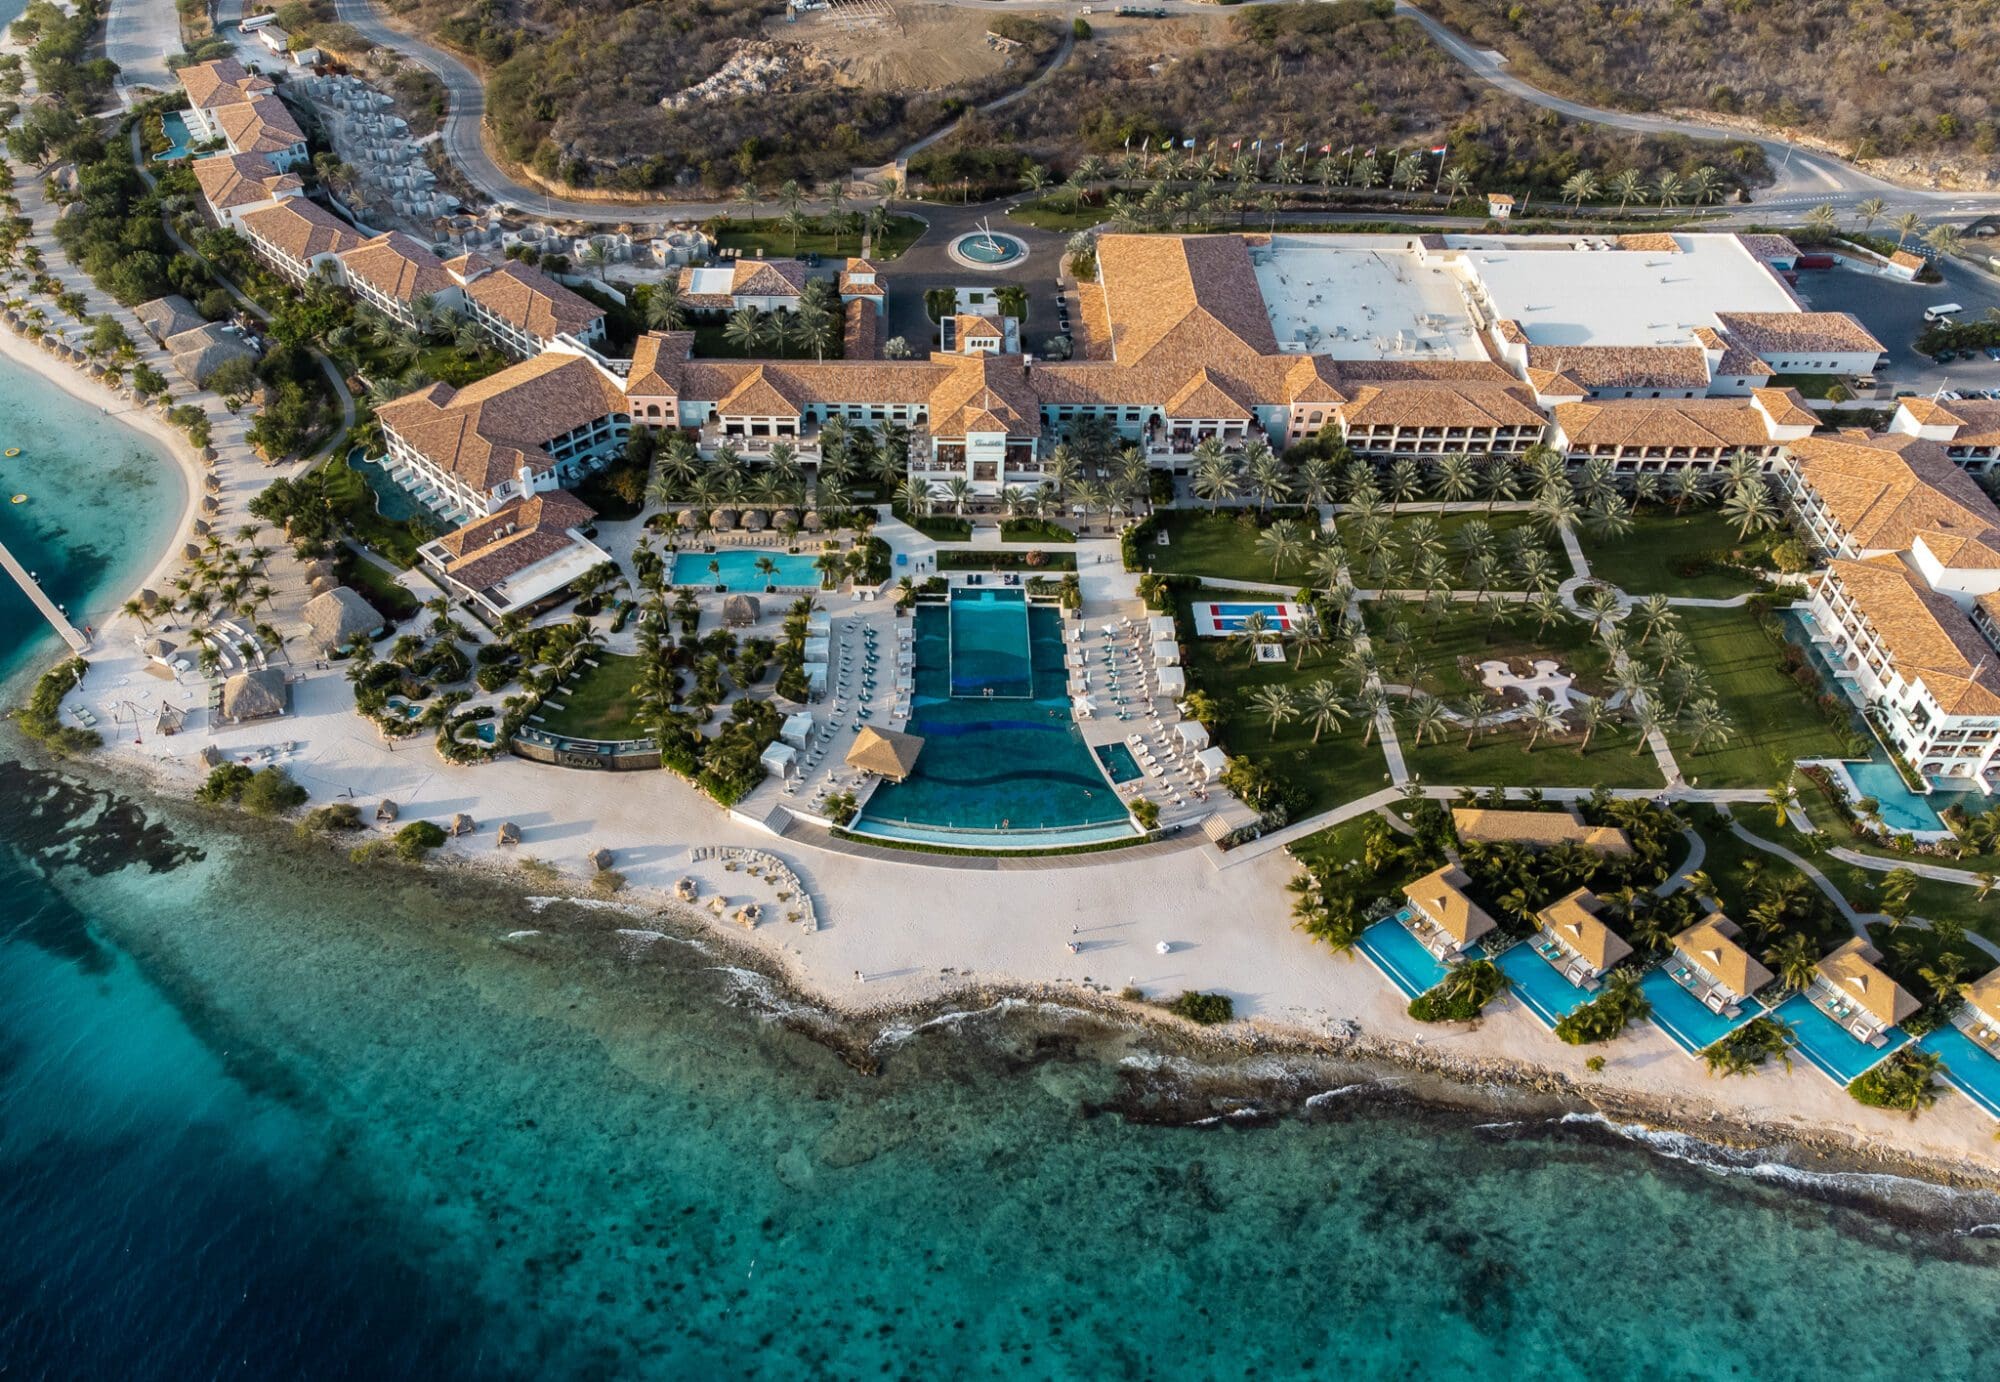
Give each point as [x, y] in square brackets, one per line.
[1806, 177]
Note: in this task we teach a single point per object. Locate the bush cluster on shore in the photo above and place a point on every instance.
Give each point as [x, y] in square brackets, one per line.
[1204, 1008]
[40, 717]
[261, 792]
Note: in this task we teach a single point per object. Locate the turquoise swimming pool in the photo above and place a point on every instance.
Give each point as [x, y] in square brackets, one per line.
[179, 137]
[1974, 1069]
[1544, 992]
[1006, 771]
[736, 568]
[988, 643]
[1391, 948]
[1829, 1047]
[1119, 762]
[1691, 1024]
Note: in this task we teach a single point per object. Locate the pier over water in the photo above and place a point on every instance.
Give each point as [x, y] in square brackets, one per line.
[72, 635]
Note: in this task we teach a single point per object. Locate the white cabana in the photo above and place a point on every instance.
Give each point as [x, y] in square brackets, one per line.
[1192, 733]
[819, 624]
[1084, 707]
[1171, 681]
[1211, 763]
[796, 729]
[1160, 626]
[1166, 652]
[779, 757]
[815, 650]
[815, 673]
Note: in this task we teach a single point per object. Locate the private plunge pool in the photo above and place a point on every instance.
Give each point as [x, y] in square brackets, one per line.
[1002, 766]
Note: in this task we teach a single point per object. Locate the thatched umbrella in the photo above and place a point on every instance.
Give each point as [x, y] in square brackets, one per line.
[190, 551]
[510, 833]
[208, 455]
[387, 810]
[600, 859]
[212, 483]
[150, 598]
[211, 756]
[688, 519]
[722, 520]
[319, 570]
[686, 889]
[755, 522]
[157, 647]
[784, 518]
[814, 523]
[462, 824]
[210, 504]
[740, 611]
[201, 528]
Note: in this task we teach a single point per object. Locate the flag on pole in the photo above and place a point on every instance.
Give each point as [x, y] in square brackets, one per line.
[1187, 143]
[1128, 143]
[1235, 147]
[1257, 143]
[1326, 148]
[1441, 150]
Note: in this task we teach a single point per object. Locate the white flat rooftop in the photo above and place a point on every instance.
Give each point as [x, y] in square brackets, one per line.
[548, 575]
[1563, 292]
[1363, 297]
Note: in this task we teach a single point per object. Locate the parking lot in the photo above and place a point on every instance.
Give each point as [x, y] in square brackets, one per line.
[1894, 313]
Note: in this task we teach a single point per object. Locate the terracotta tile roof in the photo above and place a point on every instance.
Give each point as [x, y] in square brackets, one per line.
[1768, 247]
[484, 432]
[1573, 921]
[768, 278]
[860, 330]
[1440, 405]
[1903, 259]
[1510, 331]
[531, 301]
[1977, 419]
[834, 381]
[658, 361]
[1927, 637]
[1854, 972]
[1441, 896]
[1536, 828]
[1734, 361]
[260, 125]
[985, 393]
[1195, 298]
[1314, 379]
[1091, 337]
[972, 324]
[398, 266]
[760, 394]
[1693, 422]
[1883, 490]
[1204, 398]
[1551, 383]
[1964, 551]
[230, 180]
[1711, 943]
[515, 536]
[1432, 371]
[1625, 367]
[300, 229]
[1785, 407]
[1769, 333]
[224, 82]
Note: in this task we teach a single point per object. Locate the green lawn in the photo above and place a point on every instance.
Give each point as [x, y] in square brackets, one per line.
[1442, 652]
[1222, 545]
[1337, 769]
[600, 701]
[1666, 555]
[1730, 861]
[1059, 212]
[1776, 721]
[711, 342]
[1813, 385]
[767, 234]
[355, 502]
[374, 584]
[1333, 846]
[1448, 526]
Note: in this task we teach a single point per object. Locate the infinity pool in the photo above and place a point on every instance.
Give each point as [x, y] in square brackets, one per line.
[1686, 1019]
[992, 770]
[1389, 945]
[735, 568]
[1543, 991]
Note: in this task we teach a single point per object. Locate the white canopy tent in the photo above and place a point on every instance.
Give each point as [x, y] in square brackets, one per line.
[796, 729]
[1084, 707]
[1211, 763]
[1160, 626]
[779, 757]
[815, 650]
[819, 624]
[1171, 681]
[1166, 652]
[1192, 733]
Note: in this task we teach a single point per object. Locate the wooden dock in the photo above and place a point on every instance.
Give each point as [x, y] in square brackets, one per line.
[72, 635]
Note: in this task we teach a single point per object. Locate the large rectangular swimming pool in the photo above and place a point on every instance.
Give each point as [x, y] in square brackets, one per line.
[1830, 1048]
[1533, 980]
[989, 646]
[1975, 1070]
[1004, 771]
[736, 568]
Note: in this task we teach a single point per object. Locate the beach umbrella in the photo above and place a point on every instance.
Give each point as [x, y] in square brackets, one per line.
[754, 521]
[387, 810]
[686, 889]
[210, 504]
[201, 527]
[462, 824]
[189, 551]
[600, 859]
[510, 833]
[784, 518]
[150, 598]
[157, 647]
[688, 519]
[212, 483]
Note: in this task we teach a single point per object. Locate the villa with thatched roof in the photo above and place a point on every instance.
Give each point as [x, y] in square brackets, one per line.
[1445, 919]
[1711, 963]
[1851, 987]
[258, 694]
[1580, 947]
[1536, 830]
[335, 620]
[887, 753]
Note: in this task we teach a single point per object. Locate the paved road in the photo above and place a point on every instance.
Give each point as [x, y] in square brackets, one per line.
[138, 35]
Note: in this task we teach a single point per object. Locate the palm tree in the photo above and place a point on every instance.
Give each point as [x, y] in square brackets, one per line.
[1601, 608]
[1906, 225]
[1709, 724]
[1793, 961]
[1943, 240]
[1654, 613]
[1580, 187]
[1274, 704]
[1750, 509]
[1251, 635]
[958, 490]
[1265, 474]
[1704, 185]
[1592, 714]
[1870, 211]
[1627, 187]
[1668, 188]
[1325, 708]
[1214, 477]
[1783, 806]
[1427, 716]
[745, 330]
[1822, 219]
[1282, 541]
[1455, 183]
[1543, 718]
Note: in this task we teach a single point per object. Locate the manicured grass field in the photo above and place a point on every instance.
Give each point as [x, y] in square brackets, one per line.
[1438, 647]
[1222, 545]
[1499, 758]
[1333, 846]
[600, 702]
[1659, 555]
[1448, 527]
[768, 234]
[1337, 769]
[1776, 721]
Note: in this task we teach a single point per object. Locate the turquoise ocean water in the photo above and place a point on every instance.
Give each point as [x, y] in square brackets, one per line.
[263, 1113]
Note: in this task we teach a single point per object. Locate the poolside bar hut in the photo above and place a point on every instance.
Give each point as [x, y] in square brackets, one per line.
[1160, 626]
[1211, 763]
[1166, 652]
[1171, 681]
[778, 757]
[336, 619]
[796, 729]
[258, 694]
[1193, 734]
[885, 752]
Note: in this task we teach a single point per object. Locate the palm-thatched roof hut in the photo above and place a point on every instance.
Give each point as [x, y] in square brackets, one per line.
[814, 523]
[462, 824]
[784, 518]
[149, 597]
[686, 889]
[257, 694]
[212, 483]
[319, 585]
[755, 521]
[318, 570]
[335, 619]
[741, 611]
[201, 528]
[885, 752]
[689, 519]
[510, 833]
[722, 520]
[210, 504]
[600, 859]
[190, 551]
[387, 810]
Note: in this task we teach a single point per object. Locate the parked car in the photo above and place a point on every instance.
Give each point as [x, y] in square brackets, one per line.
[1993, 352]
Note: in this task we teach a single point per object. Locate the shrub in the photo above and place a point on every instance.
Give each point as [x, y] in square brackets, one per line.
[1905, 1082]
[1606, 1015]
[40, 717]
[1146, 811]
[418, 838]
[225, 785]
[1462, 995]
[1204, 1008]
[271, 792]
[325, 820]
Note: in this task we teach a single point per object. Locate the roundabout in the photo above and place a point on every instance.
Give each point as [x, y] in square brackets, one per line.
[987, 250]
